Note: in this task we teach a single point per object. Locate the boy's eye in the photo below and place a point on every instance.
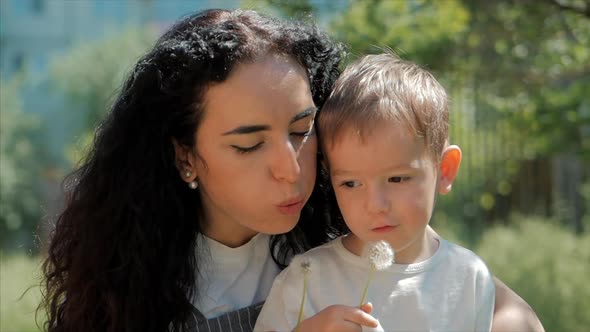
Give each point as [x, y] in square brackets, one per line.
[398, 179]
[350, 184]
[248, 149]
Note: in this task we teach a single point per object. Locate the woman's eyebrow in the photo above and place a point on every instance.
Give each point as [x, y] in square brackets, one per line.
[309, 111]
[248, 129]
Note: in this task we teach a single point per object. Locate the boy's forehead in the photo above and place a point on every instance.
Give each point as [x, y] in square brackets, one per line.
[400, 140]
[351, 157]
[365, 133]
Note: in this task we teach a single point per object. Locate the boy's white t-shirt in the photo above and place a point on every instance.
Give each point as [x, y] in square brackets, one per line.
[233, 278]
[451, 291]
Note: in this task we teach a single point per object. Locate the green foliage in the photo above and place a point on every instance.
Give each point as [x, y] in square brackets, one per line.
[547, 265]
[288, 8]
[20, 293]
[90, 73]
[419, 30]
[19, 169]
[530, 61]
[585, 192]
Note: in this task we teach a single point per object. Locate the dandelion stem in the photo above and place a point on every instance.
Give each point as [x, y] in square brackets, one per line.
[300, 316]
[371, 272]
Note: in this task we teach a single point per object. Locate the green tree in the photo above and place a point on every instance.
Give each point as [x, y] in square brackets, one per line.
[19, 169]
[529, 60]
[90, 73]
[524, 66]
[420, 30]
[288, 8]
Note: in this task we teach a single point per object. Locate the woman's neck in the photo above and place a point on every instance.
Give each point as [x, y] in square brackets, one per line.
[232, 236]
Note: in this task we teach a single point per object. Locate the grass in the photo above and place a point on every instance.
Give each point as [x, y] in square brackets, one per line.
[19, 292]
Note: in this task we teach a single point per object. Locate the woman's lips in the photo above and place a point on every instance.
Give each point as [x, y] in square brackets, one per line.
[290, 207]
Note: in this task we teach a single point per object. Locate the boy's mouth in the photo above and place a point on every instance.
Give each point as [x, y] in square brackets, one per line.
[384, 229]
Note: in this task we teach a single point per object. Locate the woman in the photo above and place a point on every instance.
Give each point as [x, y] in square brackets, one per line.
[206, 160]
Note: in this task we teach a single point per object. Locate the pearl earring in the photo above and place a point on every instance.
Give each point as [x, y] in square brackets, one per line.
[193, 184]
[188, 174]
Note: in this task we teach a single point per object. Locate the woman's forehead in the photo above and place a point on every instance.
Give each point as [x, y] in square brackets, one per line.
[274, 88]
[270, 68]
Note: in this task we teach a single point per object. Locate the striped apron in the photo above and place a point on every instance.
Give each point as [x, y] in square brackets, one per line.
[241, 320]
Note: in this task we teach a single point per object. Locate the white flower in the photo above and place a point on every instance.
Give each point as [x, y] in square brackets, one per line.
[305, 265]
[380, 255]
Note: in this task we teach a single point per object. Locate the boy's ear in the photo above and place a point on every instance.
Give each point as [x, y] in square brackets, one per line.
[185, 161]
[449, 166]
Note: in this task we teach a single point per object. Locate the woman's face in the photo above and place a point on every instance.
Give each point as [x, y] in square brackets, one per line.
[256, 148]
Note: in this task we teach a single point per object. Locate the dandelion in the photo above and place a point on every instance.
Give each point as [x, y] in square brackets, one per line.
[380, 256]
[305, 265]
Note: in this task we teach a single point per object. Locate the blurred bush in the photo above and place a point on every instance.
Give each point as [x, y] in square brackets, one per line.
[87, 76]
[20, 186]
[90, 74]
[545, 264]
[20, 293]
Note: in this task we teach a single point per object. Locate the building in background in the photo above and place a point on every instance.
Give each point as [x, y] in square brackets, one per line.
[32, 30]
[32, 34]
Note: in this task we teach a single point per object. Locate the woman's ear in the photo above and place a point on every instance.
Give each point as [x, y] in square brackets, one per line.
[449, 166]
[185, 161]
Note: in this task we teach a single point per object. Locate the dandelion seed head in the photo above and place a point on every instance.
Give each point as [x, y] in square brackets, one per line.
[305, 264]
[380, 255]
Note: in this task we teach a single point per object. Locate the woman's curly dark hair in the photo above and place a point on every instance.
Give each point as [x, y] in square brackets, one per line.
[122, 254]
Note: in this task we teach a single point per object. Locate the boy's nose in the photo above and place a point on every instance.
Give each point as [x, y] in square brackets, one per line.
[377, 201]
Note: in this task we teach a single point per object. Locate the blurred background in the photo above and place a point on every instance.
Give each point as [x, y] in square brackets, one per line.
[518, 73]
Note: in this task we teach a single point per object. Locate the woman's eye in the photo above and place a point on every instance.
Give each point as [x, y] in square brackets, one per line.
[398, 179]
[301, 133]
[248, 149]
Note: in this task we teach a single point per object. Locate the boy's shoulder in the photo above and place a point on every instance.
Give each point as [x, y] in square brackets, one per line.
[326, 250]
[326, 254]
[462, 258]
[315, 259]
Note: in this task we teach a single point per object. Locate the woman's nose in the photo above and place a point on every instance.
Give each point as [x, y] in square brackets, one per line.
[284, 165]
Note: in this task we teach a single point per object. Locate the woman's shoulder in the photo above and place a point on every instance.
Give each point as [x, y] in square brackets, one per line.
[512, 313]
[516, 317]
[320, 253]
[324, 254]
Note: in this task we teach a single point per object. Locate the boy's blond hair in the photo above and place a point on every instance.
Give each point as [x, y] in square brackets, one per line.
[383, 87]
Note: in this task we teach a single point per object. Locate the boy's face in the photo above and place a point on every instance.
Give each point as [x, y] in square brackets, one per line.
[386, 187]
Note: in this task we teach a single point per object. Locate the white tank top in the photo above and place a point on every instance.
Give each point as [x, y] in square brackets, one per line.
[233, 278]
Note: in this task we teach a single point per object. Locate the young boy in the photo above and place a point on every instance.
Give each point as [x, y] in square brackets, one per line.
[384, 133]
